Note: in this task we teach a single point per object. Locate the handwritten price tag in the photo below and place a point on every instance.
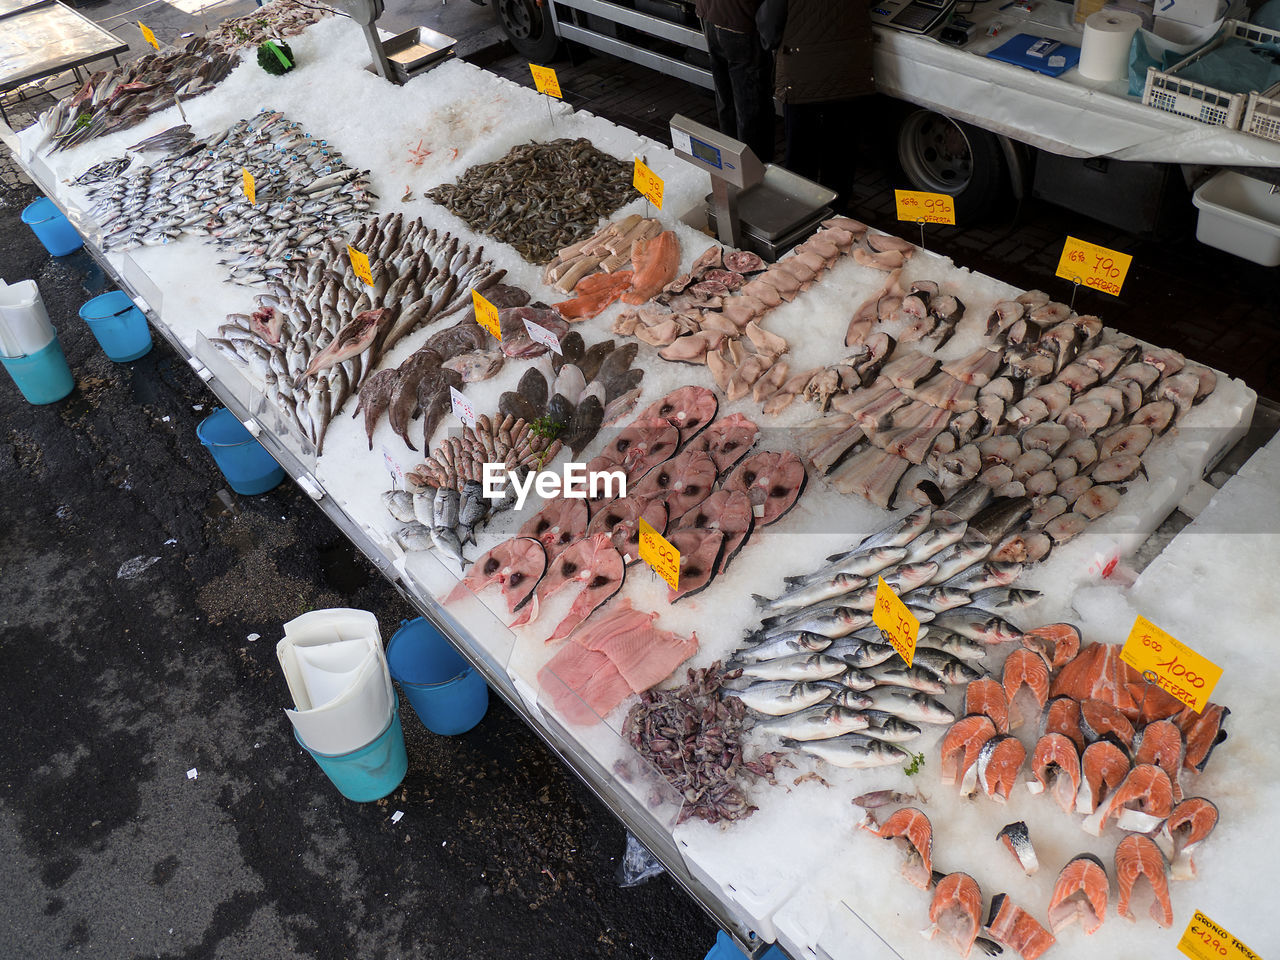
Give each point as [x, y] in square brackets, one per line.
[540, 334]
[916, 205]
[660, 555]
[487, 315]
[360, 264]
[250, 188]
[147, 35]
[393, 466]
[1205, 940]
[1179, 670]
[544, 78]
[1093, 266]
[462, 408]
[896, 621]
[648, 183]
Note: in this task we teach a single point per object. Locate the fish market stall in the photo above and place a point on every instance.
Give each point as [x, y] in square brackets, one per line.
[862, 409]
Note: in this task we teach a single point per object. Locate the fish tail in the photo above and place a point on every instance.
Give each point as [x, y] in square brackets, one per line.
[761, 601]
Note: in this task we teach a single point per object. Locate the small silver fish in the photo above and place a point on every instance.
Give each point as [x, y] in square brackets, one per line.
[900, 675]
[399, 504]
[447, 542]
[787, 644]
[952, 643]
[860, 653]
[807, 666]
[1002, 600]
[910, 705]
[816, 592]
[853, 751]
[977, 625]
[816, 723]
[780, 697]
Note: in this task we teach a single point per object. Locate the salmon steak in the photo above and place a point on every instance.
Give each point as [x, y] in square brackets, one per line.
[914, 832]
[961, 746]
[1098, 673]
[645, 443]
[1138, 857]
[1202, 732]
[986, 696]
[1191, 821]
[1143, 799]
[1103, 767]
[594, 294]
[1080, 894]
[1017, 840]
[621, 520]
[558, 524]
[1099, 719]
[728, 511]
[773, 481]
[956, 911]
[1062, 715]
[728, 440]
[1023, 668]
[654, 261]
[1058, 643]
[1055, 767]
[999, 762]
[1016, 929]
[1161, 743]
[517, 565]
[682, 483]
[689, 409]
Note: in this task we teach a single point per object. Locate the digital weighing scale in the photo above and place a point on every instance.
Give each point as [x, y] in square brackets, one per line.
[753, 206]
[404, 56]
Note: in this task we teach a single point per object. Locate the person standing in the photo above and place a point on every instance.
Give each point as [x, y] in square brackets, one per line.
[823, 68]
[742, 70]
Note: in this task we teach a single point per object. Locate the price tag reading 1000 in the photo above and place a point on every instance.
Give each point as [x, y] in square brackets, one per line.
[1178, 669]
[660, 555]
[895, 621]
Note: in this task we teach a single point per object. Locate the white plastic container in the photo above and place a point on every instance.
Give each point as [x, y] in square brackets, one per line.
[25, 327]
[1241, 216]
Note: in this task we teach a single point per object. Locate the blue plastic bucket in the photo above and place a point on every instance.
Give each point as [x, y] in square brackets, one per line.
[51, 227]
[119, 326]
[447, 693]
[245, 463]
[371, 772]
[726, 949]
[43, 376]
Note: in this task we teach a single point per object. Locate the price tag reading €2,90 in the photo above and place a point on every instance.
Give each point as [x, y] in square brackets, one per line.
[393, 466]
[486, 315]
[462, 408]
[896, 621]
[1205, 940]
[540, 334]
[1179, 670]
[147, 35]
[360, 264]
[1093, 266]
[250, 188]
[916, 205]
[648, 183]
[660, 555]
[544, 78]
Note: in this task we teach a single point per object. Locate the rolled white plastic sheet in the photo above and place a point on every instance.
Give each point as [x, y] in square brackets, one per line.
[1104, 52]
[25, 327]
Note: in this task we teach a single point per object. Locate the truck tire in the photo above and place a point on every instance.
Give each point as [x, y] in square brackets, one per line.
[941, 155]
[528, 25]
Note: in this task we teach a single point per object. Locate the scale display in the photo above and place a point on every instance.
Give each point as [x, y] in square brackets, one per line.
[705, 152]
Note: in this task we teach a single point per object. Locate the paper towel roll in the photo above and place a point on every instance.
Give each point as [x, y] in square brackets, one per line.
[1104, 52]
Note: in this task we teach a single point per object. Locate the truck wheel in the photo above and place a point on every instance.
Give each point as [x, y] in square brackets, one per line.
[942, 155]
[527, 24]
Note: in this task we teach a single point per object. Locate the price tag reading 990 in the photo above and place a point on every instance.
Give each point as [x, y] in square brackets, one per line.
[660, 555]
[895, 621]
[918, 206]
[648, 183]
[1179, 670]
[1093, 266]
[1205, 940]
[545, 80]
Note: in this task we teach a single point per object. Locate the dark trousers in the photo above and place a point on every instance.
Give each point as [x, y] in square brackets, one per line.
[743, 75]
[822, 142]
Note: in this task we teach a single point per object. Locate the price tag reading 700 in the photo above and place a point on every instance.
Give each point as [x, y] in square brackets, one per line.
[1179, 670]
[660, 555]
[895, 621]
[918, 206]
[1093, 266]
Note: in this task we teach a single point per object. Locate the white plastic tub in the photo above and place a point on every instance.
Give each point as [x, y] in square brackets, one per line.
[1240, 215]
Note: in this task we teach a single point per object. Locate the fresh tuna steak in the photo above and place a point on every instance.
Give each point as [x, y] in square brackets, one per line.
[1080, 894]
[620, 519]
[772, 481]
[593, 565]
[700, 552]
[556, 525]
[728, 440]
[642, 445]
[690, 409]
[682, 483]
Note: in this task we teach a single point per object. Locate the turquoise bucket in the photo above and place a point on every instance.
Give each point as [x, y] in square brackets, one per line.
[119, 326]
[371, 772]
[43, 376]
[51, 228]
[245, 463]
[447, 693]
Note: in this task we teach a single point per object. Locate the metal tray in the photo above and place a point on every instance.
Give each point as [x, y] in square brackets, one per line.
[416, 49]
[781, 202]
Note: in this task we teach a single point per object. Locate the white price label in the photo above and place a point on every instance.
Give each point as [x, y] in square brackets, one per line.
[540, 334]
[393, 466]
[462, 408]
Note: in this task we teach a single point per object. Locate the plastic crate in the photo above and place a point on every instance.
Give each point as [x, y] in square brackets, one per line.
[1262, 114]
[1166, 91]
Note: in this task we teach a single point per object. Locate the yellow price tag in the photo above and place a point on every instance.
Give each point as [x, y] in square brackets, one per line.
[660, 555]
[1205, 940]
[1179, 670]
[896, 621]
[917, 206]
[250, 188]
[648, 183]
[486, 315]
[1096, 267]
[360, 264]
[544, 78]
[147, 35]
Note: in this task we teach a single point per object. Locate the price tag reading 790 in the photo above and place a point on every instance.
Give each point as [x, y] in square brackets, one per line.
[660, 555]
[1093, 266]
[1179, 670]
[895, 621]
